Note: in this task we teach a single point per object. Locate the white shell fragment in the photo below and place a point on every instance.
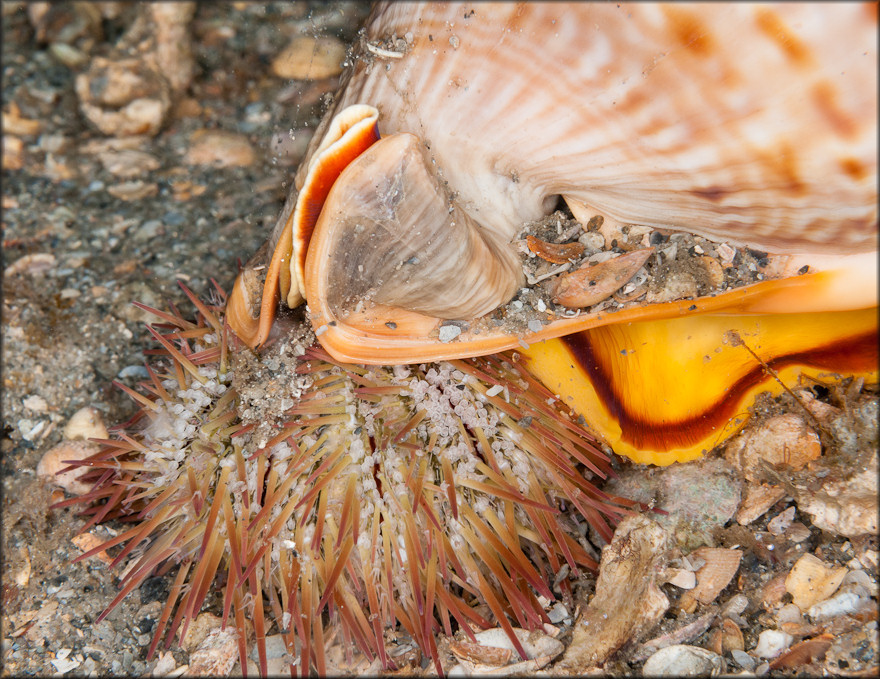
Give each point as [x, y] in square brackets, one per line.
[841, 604]
[535, 644]
[772, 642]
[682, 661]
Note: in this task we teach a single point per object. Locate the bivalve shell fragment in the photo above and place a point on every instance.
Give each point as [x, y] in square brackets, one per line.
[682, 661]
[811, 580]
[720, 567]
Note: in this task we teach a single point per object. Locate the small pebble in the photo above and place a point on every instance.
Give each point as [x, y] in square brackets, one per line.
[133, 371]
[149, 229]
[558, 613]
[447, 333]
[174, 218]
[743, 659]
[128, 163]
[535, 326]
[495, 390]
[13, 152]
[35, 403]
[789, 613]
[219, 148]
[735, 605]
[133, 190]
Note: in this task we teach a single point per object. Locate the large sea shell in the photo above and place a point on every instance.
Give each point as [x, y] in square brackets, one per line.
[746, 123]
[751, 124]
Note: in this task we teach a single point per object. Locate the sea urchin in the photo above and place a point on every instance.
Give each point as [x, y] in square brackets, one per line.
[431, 498]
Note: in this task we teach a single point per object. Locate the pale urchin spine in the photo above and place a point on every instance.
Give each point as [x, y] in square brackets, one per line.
[425, 497]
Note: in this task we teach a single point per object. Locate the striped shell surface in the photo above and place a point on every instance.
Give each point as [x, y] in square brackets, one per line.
[750, 124]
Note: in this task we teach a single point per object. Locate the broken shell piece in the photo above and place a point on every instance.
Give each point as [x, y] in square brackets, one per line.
[680, 635]
[123, 97]
[34, 264]
[22, 574]
[479, 654]
[681, 578]
[720, 567]
[493, 651]
[780, 440]
[592, 284]
[773, 590]
[804, 652]
[789, 614]
[558, 253]
[57, 459]
[219, 148]
[847, 506]
[627, 602]
[714, 271]
[15, 123]
[797, 532]
[197, 632]
[682, 661]
[811, 580]
[535, 643]
[86, 542]
[845, 603]
[310, 58]
[86, 423]
[780, 523]
[822, 411]
[678, 285]
[216, 655]
[758, 499]
[731, 636]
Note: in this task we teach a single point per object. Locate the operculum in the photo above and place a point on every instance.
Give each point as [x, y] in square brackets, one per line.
[390, 235]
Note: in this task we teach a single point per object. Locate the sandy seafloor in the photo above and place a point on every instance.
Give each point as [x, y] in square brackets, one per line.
[69, 328]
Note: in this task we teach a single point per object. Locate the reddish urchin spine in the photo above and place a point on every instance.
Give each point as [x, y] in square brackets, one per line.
[425, 497]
